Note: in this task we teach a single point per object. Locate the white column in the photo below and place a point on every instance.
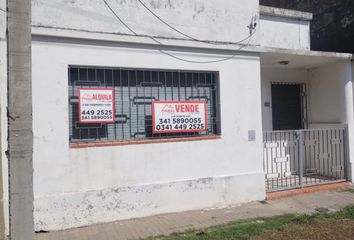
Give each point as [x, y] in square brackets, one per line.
[349, 114]
[348, 95]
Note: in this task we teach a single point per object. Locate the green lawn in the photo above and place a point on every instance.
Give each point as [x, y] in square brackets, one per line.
[338, 225]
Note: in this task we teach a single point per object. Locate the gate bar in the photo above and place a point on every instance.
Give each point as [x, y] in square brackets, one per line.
[301, 157]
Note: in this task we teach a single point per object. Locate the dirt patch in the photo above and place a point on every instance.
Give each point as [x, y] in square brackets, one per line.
[323, 230]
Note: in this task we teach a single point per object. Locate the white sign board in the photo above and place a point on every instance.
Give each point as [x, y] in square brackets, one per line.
[96, 105]
[179, 116]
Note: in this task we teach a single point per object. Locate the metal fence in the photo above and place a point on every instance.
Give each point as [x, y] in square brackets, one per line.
[294, 159]
[134, 90]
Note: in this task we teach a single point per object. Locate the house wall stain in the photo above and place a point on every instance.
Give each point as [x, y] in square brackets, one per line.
[80, 209]
[221, 20]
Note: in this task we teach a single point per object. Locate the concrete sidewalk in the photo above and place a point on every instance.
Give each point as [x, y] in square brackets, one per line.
[177, 222]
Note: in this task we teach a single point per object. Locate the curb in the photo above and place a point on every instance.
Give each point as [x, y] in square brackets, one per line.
[295, 192]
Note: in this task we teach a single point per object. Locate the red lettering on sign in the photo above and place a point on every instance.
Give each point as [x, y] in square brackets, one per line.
[187, 108]
[106, 97]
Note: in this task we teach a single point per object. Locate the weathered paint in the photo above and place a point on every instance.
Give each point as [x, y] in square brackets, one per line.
[282, 28]
[286, 13]
[220, 20]
[95, 206]
[63, 174]
[72, 179]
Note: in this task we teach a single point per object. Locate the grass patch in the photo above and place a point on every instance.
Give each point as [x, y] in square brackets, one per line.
[273, 226]
[351, 190]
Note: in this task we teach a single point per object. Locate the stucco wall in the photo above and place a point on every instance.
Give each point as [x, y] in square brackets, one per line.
[285, 33]
[220, 20]
[327, 98]
[75, 187]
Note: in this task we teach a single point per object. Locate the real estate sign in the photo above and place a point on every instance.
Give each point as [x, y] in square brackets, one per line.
[96, 105]
[179, 116]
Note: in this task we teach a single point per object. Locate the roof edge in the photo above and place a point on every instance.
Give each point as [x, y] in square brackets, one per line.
[310, 53]
[285, 13]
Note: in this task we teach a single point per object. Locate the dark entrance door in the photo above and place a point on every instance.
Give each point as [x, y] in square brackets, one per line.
[286, 106]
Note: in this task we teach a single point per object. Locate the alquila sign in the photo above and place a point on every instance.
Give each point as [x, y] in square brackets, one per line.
[96, 105]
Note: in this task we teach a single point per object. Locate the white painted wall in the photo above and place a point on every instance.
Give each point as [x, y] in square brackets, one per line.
[282, 32]
[326, 94]
[3, 113]
[219, 20]
[75, 187]
[277, 75]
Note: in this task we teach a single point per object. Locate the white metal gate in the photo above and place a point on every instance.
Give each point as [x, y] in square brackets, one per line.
[294, 159]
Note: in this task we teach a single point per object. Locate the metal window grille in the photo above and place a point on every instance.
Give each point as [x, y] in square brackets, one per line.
[134, 91]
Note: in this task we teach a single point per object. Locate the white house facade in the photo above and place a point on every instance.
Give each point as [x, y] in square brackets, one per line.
[224, 64]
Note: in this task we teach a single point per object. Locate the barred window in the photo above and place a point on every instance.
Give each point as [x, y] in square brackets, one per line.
[134, 92]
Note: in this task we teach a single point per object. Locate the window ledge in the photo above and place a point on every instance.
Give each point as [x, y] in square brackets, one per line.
[144, 141]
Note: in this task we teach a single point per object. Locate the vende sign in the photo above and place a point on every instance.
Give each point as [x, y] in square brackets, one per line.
[179, 116]
[96, 105]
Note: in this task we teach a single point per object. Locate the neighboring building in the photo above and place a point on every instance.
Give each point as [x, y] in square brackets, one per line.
[332, 28]
[245, 81]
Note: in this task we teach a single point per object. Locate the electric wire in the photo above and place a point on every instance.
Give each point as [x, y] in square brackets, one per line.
[171, 55]
[212, 61]
[3, 10]
[184, 34]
